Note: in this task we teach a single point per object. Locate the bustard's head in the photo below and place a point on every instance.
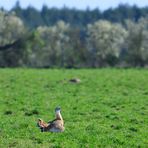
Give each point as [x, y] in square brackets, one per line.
[57, 109]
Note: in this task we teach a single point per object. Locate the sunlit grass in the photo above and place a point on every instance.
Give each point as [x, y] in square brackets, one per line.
[107, 109]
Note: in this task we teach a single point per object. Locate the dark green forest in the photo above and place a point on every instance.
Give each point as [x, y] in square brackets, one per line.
[77, 18]
[71, 38]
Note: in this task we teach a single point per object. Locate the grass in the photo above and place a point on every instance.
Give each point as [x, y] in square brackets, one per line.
[107, 109]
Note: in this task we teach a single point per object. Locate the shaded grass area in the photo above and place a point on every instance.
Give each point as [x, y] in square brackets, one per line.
[107, 109]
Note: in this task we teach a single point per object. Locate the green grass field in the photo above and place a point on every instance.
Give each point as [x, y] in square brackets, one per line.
[107, 109]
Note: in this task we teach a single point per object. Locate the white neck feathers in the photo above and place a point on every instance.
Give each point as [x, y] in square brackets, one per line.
[58, 115]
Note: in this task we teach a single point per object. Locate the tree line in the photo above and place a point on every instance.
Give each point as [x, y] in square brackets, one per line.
[73, 38]
[77, 18]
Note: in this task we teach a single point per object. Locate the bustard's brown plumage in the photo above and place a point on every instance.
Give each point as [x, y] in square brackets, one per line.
[56, 125]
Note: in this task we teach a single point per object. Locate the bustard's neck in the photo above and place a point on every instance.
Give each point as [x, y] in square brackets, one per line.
[58, 115]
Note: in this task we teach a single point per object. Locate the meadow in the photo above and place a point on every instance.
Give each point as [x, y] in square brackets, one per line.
[108, 108]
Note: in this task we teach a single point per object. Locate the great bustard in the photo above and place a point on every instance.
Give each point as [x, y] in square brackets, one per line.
[56, 125]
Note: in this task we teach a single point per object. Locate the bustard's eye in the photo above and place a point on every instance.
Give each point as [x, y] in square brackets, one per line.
[57, 109]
